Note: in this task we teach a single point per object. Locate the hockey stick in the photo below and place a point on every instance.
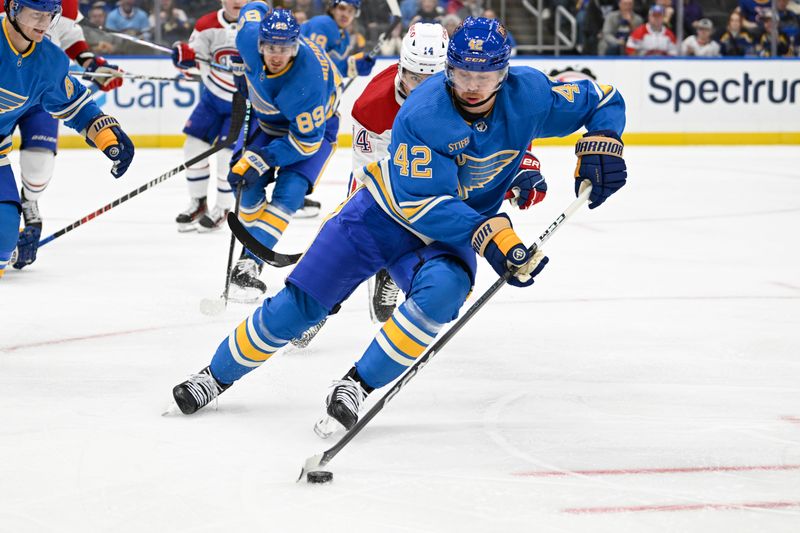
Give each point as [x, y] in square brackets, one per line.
[315, 462]
[131, 76]
[394, 8]
[154, 46]
[237, 118]
[267, 255]
[214, 306]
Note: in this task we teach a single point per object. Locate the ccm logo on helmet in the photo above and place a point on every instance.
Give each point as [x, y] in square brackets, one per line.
[475, 59]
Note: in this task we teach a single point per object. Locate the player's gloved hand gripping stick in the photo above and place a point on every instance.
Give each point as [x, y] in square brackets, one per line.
[316, 462]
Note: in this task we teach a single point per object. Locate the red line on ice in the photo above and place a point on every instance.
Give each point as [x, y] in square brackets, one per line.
[791, 419]
[647, 471]
[89, 337]
[681, 507]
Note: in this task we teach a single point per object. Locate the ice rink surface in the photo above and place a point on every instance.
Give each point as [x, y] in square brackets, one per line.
[648, 381]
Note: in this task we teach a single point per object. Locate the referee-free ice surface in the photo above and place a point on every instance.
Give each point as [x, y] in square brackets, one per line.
[648, 381]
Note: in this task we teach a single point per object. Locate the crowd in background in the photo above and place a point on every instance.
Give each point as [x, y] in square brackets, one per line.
[605, 27]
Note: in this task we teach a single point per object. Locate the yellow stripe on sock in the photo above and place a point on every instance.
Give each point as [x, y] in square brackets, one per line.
[406, 344]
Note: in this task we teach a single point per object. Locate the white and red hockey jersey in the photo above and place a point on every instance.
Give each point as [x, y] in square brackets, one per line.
[645, 41]
[373, 115]
[215, 38]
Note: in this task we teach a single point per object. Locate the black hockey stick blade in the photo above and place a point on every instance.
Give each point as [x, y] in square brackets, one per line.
[271, 257]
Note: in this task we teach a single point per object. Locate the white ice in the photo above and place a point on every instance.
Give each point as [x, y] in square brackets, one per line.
[648, 381]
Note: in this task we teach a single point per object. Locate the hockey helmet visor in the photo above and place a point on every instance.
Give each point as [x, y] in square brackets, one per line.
[37, 14]
[279, 34]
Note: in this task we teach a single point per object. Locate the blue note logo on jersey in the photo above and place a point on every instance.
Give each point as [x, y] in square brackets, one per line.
[477, 172]
[10, 101]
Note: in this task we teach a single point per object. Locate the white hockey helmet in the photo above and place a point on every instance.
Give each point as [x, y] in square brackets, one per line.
[424, 49]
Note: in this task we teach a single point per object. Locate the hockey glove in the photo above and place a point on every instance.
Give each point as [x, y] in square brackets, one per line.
[250, 167]
[27, 245]
[183, 56]
[93, 63]
[528, 187]
[105, 133]
[600, 161]
[238, 68]
[498, 243]
[359, 65]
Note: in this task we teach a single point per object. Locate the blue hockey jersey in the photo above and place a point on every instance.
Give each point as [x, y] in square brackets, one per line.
[326, 34]
[443, 176]
[39, 76]
[295, 104]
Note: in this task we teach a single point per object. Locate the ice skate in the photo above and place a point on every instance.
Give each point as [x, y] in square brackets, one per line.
[310, 209]
[245, 286]
[303, 340]
[383, 296]
[188, 219]
[343, 404]
[197, 391]
[212, 220]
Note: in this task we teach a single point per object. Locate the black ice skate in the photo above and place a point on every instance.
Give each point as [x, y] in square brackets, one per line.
[188, 219]
[383, 296]
[212, 220]
[197, 391]
[30, 210]
[310, 209]
[343, 404]
[245, 285]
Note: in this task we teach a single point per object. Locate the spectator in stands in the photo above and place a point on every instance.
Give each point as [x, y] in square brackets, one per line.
[652, 38]
[789, 22]
[429, 11]
[128, 18]
[450, 22]
[669, 12]
[490, 14]
[701, 44]
[590, 18]
[97, 15]
[692, 13]
[764, 44]
[465, 8]
[749, 10]
[175, 25]
[617, 27]
[736, 42]
[300, 16]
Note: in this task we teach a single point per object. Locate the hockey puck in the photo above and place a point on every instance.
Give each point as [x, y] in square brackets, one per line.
[319, 476]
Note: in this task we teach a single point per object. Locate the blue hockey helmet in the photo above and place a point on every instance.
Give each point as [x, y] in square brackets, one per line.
[48, 6]
[16, 16]
[479, 44]
[355, 3]
[280, 28]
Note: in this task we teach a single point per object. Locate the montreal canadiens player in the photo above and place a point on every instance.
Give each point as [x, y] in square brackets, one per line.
[294, 89]
[39, 130]
[213, 38]
[427, 211]
[36, 72]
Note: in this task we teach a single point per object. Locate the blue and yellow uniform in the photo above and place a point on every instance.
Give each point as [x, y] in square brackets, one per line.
[325, 33]
[36, 77]
[294, 125]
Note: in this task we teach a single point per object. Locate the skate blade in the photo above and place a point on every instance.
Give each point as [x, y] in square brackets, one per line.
[327, 426]
[203, 229]
[306, 212]
[242, 295]
[172, 409]
[186, 228]
[212, 306]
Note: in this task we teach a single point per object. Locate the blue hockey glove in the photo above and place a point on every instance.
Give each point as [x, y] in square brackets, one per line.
[529, 187]
[498, 243]
[359, 65]
[237, 68]
[93, 63]
[248, 169]
[27, 245]
[183, 56]
[105, 133]
[600, 161]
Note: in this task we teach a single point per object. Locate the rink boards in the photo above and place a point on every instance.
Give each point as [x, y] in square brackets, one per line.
[670, 101]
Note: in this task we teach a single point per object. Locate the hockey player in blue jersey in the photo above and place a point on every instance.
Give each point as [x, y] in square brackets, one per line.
[427, 211]
[35, 71]
[294, 90]
[331, 33]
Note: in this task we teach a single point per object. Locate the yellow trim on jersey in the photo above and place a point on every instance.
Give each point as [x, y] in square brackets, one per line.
[304, 148]
[8, 38]
[283, 71]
